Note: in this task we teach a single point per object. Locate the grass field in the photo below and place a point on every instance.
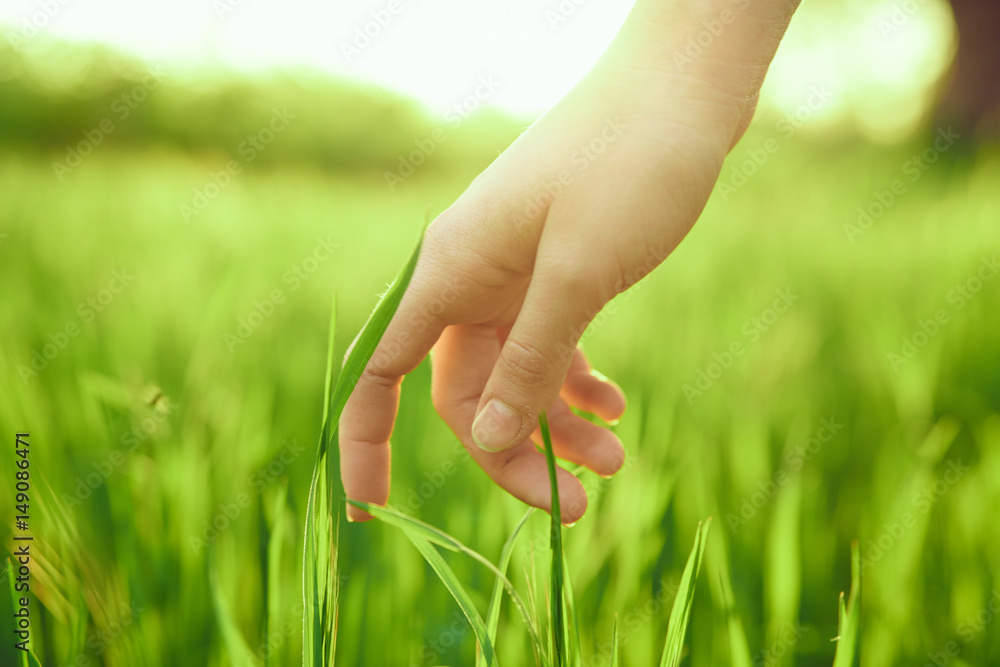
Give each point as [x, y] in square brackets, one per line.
[864, 405]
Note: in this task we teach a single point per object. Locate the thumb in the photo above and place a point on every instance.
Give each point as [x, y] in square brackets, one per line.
[534, 360]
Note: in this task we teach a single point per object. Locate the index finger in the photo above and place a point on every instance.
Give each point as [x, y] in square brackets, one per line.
[370, 412]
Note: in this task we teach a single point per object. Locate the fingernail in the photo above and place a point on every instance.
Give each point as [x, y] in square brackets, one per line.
[599, 375]
[604, 378]
[497, 426]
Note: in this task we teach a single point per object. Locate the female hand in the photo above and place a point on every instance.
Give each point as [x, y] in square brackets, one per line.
[584, 204]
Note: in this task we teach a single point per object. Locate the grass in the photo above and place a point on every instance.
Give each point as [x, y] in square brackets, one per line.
[321, 579]
[225, 418]
[563, 651]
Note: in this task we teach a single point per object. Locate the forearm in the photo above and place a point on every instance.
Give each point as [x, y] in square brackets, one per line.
[731, 42]
[717, 50]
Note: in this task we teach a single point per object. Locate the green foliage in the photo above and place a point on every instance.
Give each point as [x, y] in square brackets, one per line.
[614, 644]
[321, 581]
[849, 616]
[419, 533]
[680, 614]
[53, 93]
[144, 531]
[237, 649]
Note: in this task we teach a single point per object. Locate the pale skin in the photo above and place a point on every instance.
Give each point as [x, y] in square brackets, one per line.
[593, 196]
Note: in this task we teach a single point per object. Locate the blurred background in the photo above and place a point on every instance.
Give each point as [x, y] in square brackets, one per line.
[185, 184]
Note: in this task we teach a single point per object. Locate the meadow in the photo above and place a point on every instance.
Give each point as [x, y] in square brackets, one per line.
[173, 434]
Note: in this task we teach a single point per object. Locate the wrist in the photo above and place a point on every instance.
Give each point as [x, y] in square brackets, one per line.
[718, 50]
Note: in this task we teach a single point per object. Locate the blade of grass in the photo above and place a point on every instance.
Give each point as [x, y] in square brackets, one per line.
[447, 576]
[560, 641]
[681, 611]
[436, 536]
[572, 627]
[236, 646]
[614, 643]
[739, 648]
[333, 597]
[366, 342]
[724, 598]
[496, 597]
[393, 517]
[849, 616]
[532, 582]
[274, 550]
[320, 577]
[318, 553]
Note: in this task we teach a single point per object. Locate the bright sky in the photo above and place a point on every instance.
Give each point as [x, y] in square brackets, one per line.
[877, 60]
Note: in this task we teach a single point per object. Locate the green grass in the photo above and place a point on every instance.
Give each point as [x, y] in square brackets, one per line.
[564, 641]
[225, 417]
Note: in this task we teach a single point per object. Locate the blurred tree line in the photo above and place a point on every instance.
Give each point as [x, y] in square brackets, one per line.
[61, 98]
[972, 99]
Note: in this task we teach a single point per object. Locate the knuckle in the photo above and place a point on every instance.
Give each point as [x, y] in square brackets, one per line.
[451, 408]
[575, 278]
[525, 364]
[583, 282]
[373, 375]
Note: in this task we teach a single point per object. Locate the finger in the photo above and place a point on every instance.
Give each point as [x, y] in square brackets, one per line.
[590, 391]
[368, 416]
[582, 442]
[747, 110]
[462, 362]
[535, 356]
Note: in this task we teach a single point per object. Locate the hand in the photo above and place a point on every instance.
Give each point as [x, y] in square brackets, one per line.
[589, 200]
